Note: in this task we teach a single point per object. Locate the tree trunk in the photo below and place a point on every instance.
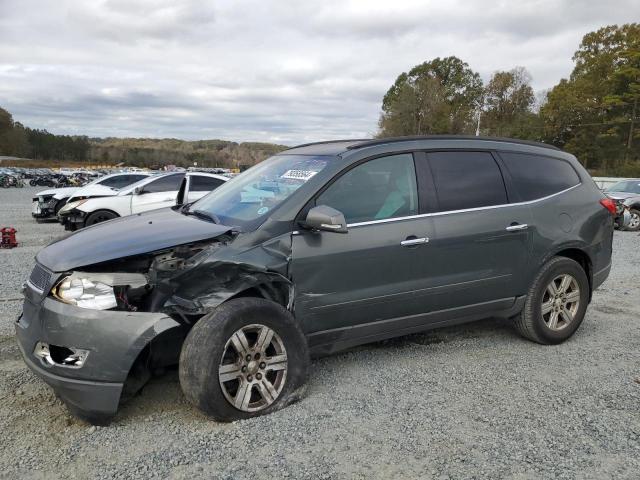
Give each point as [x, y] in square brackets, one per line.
[631, 127]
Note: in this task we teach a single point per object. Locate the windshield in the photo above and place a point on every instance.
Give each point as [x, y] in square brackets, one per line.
[627, 186]
[245, 200]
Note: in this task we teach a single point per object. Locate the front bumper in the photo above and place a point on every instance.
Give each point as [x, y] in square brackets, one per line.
[43, 209]
[114, 340]
[73, 219]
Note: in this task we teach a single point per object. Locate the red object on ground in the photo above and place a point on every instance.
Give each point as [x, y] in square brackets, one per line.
[8, 237]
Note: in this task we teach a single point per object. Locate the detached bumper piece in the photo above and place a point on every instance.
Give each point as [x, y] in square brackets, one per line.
[73, 219]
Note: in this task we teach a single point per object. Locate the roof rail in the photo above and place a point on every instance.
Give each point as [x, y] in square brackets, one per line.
[331, 141]
[381, 141]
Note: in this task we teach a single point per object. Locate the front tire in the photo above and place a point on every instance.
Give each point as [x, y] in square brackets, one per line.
[99, 217]
[634, 223]
[556, 302]
[248, 357]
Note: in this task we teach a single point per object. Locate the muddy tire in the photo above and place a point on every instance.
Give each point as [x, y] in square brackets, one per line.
[248, 357]
[99, 217]
[556, 302]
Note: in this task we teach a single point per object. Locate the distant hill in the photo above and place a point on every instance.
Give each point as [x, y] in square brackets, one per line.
[151, 152]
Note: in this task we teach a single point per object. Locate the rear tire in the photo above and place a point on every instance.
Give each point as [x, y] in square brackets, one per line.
[226, 373]
[556, 302]
[99, 217]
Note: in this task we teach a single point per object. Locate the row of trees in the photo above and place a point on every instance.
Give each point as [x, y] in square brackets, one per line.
[20, 141]
[149, 152]
[593, 114]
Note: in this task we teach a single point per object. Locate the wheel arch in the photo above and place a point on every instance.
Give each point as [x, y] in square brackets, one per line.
[101, 210]
[582, 258]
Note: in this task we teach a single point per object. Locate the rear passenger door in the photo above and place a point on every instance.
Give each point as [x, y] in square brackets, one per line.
[481, 243]
[200, 185]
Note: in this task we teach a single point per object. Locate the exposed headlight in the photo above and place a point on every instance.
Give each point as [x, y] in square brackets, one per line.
[85, 293]
[72, 205]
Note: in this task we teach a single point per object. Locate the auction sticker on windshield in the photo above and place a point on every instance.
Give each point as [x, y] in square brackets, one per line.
[299, 174]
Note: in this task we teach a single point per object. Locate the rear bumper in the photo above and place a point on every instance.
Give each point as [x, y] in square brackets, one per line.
[600, 276]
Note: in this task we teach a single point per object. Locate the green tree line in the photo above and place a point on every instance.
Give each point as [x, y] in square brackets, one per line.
[20, 141]
[593, 114]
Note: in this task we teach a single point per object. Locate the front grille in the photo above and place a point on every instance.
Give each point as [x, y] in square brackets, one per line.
[40, 277]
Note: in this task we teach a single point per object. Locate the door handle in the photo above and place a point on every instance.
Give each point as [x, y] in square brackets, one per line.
[517, 227]
[414, 241]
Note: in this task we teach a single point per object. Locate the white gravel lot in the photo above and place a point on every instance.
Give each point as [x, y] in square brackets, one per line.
[474, 401]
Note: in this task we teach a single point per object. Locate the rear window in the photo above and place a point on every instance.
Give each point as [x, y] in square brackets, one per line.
[200, 183]
[466, 180]
[535, 176]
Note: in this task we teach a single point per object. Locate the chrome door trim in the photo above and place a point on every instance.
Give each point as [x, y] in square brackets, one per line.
[464, 210]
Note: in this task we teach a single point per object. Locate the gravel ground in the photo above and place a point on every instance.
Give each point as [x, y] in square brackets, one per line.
[474, 401]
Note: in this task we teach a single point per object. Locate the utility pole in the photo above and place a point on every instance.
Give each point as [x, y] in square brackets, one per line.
[631, 126]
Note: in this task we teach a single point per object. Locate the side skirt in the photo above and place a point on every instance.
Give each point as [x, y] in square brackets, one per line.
[329, 341]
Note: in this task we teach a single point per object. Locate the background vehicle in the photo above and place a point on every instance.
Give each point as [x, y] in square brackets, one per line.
[154, 192]
[627, 194]
[47, 203]
[322, 247]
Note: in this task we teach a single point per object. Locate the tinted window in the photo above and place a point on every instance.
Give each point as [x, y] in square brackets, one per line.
[200, 183]
[466, 180]
[167, 183]
[121, 180]
[535, 176]
[378, 189]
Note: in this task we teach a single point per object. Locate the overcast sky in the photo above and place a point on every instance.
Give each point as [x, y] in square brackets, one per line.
[285, 72]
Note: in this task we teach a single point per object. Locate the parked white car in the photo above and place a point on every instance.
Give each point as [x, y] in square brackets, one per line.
[47, 203]
[157, 191]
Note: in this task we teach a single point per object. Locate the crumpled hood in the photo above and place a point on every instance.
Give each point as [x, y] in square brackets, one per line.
[127, 236]
[621, 195]
[95, 191]
[59, 192]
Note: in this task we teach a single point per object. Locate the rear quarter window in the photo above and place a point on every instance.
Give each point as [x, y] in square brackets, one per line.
[535, 176]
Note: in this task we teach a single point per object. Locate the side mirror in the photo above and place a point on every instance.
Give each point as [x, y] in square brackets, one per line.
[138, 191]
[327, 219]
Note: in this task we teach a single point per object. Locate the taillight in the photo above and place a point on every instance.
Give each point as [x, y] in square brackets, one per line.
[609, 204]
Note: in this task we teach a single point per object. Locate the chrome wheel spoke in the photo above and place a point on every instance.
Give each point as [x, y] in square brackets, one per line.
[547, 306]
[267, 390]
[264, 339]
[240, 342]
[278, 362]
[567, 316]
[229, 372]
[572, 297]
[243, 396]
[553, 320]
[552, 290]
[564, 283]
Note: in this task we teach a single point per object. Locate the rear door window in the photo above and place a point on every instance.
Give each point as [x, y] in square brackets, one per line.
[466, 180]
[201, 183]
[535, 176]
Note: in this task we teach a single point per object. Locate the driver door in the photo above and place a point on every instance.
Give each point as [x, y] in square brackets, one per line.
[159, 193]
[372, 272]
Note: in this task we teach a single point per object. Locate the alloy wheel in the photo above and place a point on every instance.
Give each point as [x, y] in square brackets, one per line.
[560, 302]
[253, 368]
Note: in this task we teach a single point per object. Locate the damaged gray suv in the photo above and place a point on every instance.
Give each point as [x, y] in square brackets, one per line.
[320, 248]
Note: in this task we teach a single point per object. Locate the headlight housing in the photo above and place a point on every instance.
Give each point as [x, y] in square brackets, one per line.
[85, 293]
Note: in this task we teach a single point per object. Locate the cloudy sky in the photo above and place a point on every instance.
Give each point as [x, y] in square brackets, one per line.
[277, 71]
